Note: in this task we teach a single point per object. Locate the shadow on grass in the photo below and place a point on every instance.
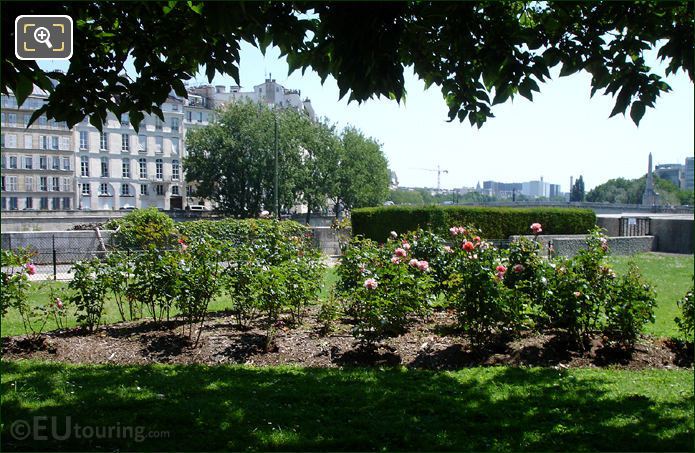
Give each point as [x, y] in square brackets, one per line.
[239, 408]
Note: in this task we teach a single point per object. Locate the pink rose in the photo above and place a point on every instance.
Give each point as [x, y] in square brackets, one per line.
[370, 283]
[454, 231]
[477, 239]
[406, 245]
[423, 265]
[468, 246]
[31, 268]
[59, 303]
[577, 294]
[413, 262]
[536, 228]
[400, 252]
[604, 244]
[448, 249]
[518, 268]
[395, 260]
[501, 269]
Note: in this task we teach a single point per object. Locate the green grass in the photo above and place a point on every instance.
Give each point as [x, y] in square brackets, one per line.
[672, 276]
[285, 408]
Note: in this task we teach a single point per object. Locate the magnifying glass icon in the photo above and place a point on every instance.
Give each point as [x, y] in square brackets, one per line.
[42, 35]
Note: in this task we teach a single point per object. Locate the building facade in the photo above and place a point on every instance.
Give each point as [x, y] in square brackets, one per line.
[119, 168]
[38, 163]
[689, 173]
[50, 167]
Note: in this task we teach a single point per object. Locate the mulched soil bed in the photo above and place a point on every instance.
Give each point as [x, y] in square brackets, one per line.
[435, 344]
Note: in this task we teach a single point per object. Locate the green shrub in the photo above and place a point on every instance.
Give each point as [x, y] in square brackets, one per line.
[630, 307]
[245, 231]
[496, 223]
[88, 292]
[143, 228]
[383, 287]
[686, 321]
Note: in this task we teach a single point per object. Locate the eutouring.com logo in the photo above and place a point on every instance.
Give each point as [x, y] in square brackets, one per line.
[44, 428]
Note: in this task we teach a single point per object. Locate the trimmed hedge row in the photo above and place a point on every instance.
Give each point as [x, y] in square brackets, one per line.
[242, 230]
[497, 223]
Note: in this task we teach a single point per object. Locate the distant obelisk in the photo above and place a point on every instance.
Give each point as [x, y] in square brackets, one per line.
[649, 198]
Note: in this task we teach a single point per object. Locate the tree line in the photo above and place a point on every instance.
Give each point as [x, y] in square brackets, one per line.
[233, 162]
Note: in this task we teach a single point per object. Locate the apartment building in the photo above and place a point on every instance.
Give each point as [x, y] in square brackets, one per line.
[50, 167]
[37, 163]
[120, 168]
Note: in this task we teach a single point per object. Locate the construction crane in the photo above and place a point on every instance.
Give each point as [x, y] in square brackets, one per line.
[439, 175]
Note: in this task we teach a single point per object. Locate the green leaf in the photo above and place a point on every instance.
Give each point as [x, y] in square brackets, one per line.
[23, 89]
[637, 111]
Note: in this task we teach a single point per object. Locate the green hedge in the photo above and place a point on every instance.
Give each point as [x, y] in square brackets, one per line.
[241, 230]
[495, 223]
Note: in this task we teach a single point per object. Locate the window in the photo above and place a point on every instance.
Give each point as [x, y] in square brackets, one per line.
[66, 203]
[157, 124]
[65, 143]
[55, 203]
[26, 120]
[43, 142]
[174, 124]
[159, 169]
[13, 203]
[159, 189]
[2, 117]
[28, 163]
[103, 189]
[175, 170]
[43, 203]
[66, 163]
[84, 166]
[84, 140]
[3, 184]
[125, 190]
[28, 184]
[13, 162]
[29, 203]
[86, 189]
[175, 145]
[189, 191]
[43, 162]
[2, 143]
[200, 117]
[125, 120]
[2, 161]
[126, 168]
[142, 162]
[65, 184]
[142, 142]
[43, 184]
[125, 142]
[12, 119]
[12, 184]
[104, 141]
[28, 141]
[55, 187]
[55, 142]
[11, 141]
[4, 203]
[55, 161]
[158, 146]
[189, 116]
[143, 189]
[175, 191]
[104, 167]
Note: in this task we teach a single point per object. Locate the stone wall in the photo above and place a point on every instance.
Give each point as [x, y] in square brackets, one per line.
[569, 245]
[673, 235]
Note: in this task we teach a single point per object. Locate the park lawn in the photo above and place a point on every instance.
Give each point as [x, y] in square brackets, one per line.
[192, 408]
[672, 276]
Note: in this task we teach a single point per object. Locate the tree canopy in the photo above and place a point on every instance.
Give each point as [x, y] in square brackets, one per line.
[630, 191]
[232, 161]
[479, 53]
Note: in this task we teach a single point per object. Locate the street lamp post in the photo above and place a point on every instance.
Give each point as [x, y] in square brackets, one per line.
[277, 202]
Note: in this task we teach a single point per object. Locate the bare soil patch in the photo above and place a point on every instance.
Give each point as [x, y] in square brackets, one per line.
[434, 344]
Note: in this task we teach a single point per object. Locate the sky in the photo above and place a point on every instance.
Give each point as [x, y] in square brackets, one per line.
[562, 133]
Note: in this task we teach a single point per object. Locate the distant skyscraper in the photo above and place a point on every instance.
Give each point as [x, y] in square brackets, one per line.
[688, 174]
[650, 197]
